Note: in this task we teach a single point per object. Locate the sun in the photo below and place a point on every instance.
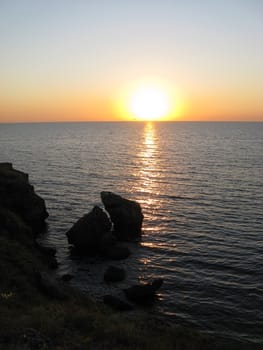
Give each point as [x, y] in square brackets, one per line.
[149, 103]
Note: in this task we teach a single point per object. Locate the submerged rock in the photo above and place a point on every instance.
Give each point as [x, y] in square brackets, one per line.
[143, 294]
[87, 233]
[18, 196]
[125, 214]
[114, 274]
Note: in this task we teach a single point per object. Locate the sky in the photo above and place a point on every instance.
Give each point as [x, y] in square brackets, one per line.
[77, 60]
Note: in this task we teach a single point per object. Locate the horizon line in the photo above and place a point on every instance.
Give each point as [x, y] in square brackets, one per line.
[131, 121]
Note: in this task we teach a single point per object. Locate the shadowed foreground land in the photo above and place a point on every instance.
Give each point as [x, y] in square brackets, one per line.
[34, 315]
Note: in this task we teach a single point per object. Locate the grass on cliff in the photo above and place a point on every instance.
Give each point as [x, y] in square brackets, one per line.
[79, 324]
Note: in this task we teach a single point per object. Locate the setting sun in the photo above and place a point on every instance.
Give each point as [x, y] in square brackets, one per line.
[150, 103]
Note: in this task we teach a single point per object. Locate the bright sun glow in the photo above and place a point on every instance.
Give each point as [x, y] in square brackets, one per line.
[150, 103]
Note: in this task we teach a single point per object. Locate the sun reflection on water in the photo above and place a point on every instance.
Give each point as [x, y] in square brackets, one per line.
[148, 174]
[148, 159]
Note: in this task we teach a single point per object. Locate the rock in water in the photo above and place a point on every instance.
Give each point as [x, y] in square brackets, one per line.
[114, 274]
[107, 241]
[87, 233]
[125, 214]
[18, 196]
[143, 294]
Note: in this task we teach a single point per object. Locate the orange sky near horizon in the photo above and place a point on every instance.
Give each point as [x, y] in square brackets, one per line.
[69, 62]
[61, 104]
[64, 104]
[99, 108]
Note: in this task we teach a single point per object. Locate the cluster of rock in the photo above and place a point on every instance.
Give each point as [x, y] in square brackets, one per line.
[103, 232]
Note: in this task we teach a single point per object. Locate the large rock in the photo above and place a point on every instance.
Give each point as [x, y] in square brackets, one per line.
[19, 197]
[88, 232]
[125, 214]
[143, 294]
[107, 241]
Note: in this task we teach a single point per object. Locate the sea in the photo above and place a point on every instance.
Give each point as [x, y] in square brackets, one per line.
[200, 186]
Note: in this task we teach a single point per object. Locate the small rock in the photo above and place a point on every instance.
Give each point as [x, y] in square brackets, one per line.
[143, 294]
[114, 274]
[118, 252]
[116, 303]
[157, 283]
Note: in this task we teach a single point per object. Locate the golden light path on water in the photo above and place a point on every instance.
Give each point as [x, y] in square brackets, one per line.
[148, 164]
[151, 186]
[149, 176]
[148, 158]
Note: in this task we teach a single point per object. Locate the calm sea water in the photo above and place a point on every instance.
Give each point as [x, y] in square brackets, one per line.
[201, 189]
